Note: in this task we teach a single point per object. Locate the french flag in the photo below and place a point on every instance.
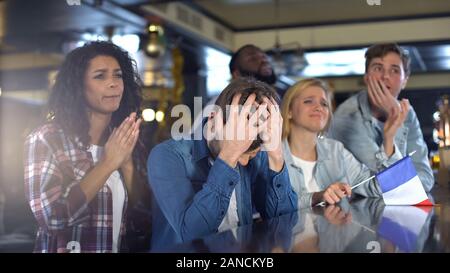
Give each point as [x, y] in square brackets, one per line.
[405, 226]
[401, 185]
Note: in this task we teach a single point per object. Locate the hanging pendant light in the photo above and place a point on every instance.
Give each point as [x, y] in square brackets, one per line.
[278, 62]
[156, 44]
[298, 61]
[284, 65]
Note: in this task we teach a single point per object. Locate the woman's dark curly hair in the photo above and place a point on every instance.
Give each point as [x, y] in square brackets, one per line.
[67, 102]
[68, 105]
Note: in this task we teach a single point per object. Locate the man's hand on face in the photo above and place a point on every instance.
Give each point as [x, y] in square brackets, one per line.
[239, 131]
[271, 131]
[393, 123]
[381, 97]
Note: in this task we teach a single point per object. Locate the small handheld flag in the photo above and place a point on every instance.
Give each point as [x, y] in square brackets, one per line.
[401, 185]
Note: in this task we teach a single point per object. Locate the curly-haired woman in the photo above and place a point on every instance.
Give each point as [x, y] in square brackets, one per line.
[82, 167]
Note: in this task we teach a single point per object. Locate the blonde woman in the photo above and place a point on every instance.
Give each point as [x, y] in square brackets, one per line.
[321, 169]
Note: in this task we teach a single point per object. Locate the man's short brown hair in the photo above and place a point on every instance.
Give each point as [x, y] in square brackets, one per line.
[245, 86]
[381, 50]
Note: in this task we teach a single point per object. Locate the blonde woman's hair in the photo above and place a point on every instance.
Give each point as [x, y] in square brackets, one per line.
[293, 92]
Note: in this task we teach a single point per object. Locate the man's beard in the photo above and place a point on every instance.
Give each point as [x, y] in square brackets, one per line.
[271, 79]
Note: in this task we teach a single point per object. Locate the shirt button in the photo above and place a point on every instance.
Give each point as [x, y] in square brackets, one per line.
[222, 212]
[279, 214]
[278, 185]
[231, 183]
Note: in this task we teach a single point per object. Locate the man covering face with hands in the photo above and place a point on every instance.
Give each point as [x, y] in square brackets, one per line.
[216, 183]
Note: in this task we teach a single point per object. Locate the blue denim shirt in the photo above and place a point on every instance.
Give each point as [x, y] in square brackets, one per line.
[334, 164]
[353, 125]
[192, 197]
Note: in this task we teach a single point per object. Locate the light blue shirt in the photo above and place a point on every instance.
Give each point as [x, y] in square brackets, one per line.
[334, 164]
[192, 196]
[353, 125]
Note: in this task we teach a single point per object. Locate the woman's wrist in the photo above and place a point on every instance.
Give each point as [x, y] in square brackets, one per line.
[388, 145]
[317, 197]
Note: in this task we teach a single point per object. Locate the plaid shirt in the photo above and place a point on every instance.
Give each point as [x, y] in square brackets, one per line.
[54, 167]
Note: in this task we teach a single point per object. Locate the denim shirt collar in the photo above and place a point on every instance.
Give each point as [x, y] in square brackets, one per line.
[363, 102]
[200, 149]
[287, 153]
[322, 153]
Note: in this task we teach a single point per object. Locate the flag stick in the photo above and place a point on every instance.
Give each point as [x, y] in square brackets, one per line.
[321, 204]
[368, 179]
[364, 227]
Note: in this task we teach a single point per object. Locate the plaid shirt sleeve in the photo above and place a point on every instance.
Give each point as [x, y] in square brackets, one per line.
[55, 202]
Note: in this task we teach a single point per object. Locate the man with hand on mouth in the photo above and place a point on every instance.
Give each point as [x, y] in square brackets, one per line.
[360, 122]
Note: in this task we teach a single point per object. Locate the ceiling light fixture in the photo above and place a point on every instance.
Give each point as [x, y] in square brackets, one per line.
[284, 65]
[156, 44]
